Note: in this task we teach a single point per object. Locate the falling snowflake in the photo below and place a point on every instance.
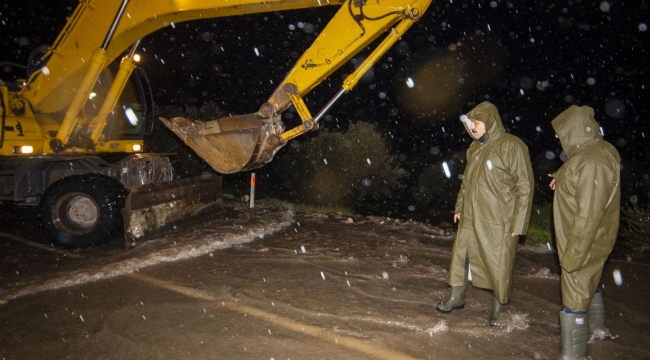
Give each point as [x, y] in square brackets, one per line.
[618, 278]
[605, 6]
[445, 167]
[410, 83]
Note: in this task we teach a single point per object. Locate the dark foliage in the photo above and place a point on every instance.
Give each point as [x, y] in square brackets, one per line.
[540, 227]
[634, 235]
[437, 190]
[352, 169]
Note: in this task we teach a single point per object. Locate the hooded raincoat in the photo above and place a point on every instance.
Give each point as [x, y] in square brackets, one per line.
[494, 201]
[586, 204]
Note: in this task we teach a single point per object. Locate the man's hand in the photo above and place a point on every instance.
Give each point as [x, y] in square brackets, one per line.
[552, 184]
[456, 217]
[514, 234]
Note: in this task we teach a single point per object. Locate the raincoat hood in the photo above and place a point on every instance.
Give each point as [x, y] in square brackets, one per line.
[576, 126]
[489, 115]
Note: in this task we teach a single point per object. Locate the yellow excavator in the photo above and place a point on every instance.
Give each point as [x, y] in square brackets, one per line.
[72, 130]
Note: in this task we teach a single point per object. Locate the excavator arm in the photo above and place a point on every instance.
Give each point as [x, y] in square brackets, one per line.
[244, 142]
[99, 31]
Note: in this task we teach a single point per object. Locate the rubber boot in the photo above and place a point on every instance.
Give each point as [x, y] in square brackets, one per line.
[456, 299]
[575, 334]
[497, 309]
[597, 317]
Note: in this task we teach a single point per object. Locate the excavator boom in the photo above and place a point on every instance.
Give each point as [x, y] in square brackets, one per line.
[232, 144]
[86, 30]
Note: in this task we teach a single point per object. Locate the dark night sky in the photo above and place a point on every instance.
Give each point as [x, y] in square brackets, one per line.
[531, 59]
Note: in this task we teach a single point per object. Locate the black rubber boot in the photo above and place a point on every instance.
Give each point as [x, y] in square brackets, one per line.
[575, 334]
[497, 309]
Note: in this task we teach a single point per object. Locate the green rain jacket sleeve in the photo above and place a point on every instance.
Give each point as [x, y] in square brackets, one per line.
[522, 176]
[593, 186]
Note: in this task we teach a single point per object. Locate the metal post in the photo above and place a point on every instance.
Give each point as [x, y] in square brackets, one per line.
[252, 198]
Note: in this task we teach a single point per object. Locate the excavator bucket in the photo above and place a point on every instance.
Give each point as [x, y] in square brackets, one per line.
[231, 144]
[156, 209]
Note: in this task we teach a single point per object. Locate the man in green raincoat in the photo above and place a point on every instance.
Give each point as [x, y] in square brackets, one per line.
[586, 207]
[493, 207]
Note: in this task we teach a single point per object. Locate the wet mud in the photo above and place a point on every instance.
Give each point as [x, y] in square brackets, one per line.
[271, 283]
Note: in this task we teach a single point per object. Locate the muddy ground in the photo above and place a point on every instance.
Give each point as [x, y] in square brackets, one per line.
[271, 283]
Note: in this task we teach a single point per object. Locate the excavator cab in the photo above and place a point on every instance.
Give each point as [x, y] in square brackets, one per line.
[132, 116]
